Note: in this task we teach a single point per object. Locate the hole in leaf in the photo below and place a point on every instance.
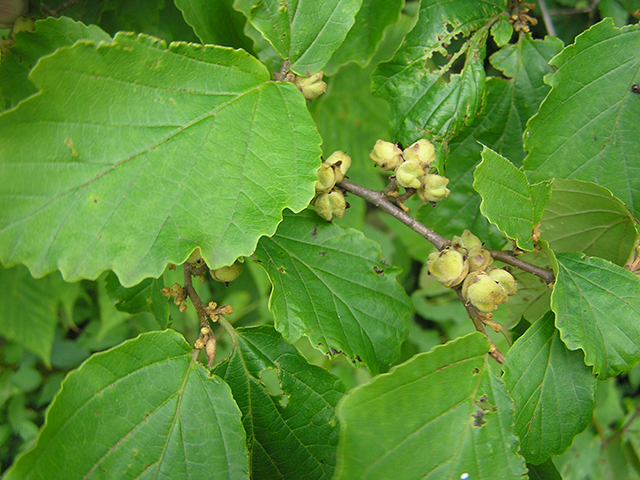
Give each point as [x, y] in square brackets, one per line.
[271, 382]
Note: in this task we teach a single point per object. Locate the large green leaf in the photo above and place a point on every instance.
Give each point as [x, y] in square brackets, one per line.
[50, 34]
[597, 304]
[508, 105]
[216, 22]
[552, 390]
[442, 414]
[433, 101]
[509, 201]
[363, 39]
[29, 312]
[305, 32]
[584, 217]
[587, 128]
[145, 409]
[331, 285]
[184, 146]
[293, 435]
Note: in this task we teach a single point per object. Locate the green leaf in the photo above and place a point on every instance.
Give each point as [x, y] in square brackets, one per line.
[597, 304]
[552, 390]
[145, 409]
[587, 128]
[294, 434]
[216, 22]
[544, 471]
[188, 146]
[442, 414]
[30, 308]
[517, 98]
[145, 297]
[362, 41]
[509, 201]
[502, 31]
[430, 100]
[584, 217]
[331, 285]
[49, 35]
[305, 32]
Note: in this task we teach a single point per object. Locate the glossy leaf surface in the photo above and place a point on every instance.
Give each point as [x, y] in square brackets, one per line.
[144, 409]
[509, 201]
[552, 390]
[587, 128]
[442, 414]
[186, 146]
[331, 285]
[597, 304]
[294, 434]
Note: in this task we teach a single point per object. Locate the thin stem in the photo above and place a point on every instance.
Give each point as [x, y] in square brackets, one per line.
[194, 297]
[620, 432]
[379, 200]
[546, 16]
[229, 329]
[497, 355]
[509, 259]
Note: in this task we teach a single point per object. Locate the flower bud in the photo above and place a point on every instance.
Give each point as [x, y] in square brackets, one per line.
[433, 188]
[330, 205]
[227, 274]
[311, 87]
[210, 350]
[448, 267]
[483, 292]
[422, 152]
[479, 259]
[340, 162]
[386, 155]
[408, 174]
[326, 178]
[505, 279]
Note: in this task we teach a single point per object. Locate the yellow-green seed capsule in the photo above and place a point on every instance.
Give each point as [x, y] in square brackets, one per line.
[422, 152]
[433, 188]
[408, 174]
[227, 274]
[448, 267]
[330, 205]
[483, 292]
[505, 279]
[326, 178]
[386, 155]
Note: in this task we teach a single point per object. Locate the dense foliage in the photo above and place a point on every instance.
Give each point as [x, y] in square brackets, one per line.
[144, 144]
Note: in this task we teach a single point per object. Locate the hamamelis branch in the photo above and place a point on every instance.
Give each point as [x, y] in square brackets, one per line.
[379, 200]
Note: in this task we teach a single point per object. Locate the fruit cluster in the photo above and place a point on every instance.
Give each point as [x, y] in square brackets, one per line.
[466, 261]
[330, 202]
[412, 168]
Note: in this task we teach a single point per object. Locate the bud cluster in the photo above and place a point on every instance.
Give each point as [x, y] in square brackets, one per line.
[412, 168]
[329, 202]
[466, 261]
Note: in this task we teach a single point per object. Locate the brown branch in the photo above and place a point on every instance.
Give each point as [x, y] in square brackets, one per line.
[194, 297]
[55, 12]
[475, 317]
[379, 200]
[509, 259]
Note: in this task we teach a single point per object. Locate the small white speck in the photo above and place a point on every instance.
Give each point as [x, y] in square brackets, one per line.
[464, 476]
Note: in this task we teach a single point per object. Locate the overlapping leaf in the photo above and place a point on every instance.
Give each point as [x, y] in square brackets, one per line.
[184, 146]
[552, 390]
[143, 409]
[509, 201]
[332, 286]
[442, 414]
[584, 217]
[420, 101]
[305, 32]
[49, 35]
[29, 312]
[362, 41]
[145, 297]
[587, 128]
[294, 435]
[507, 107]
[597, 305]
[216, 22]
